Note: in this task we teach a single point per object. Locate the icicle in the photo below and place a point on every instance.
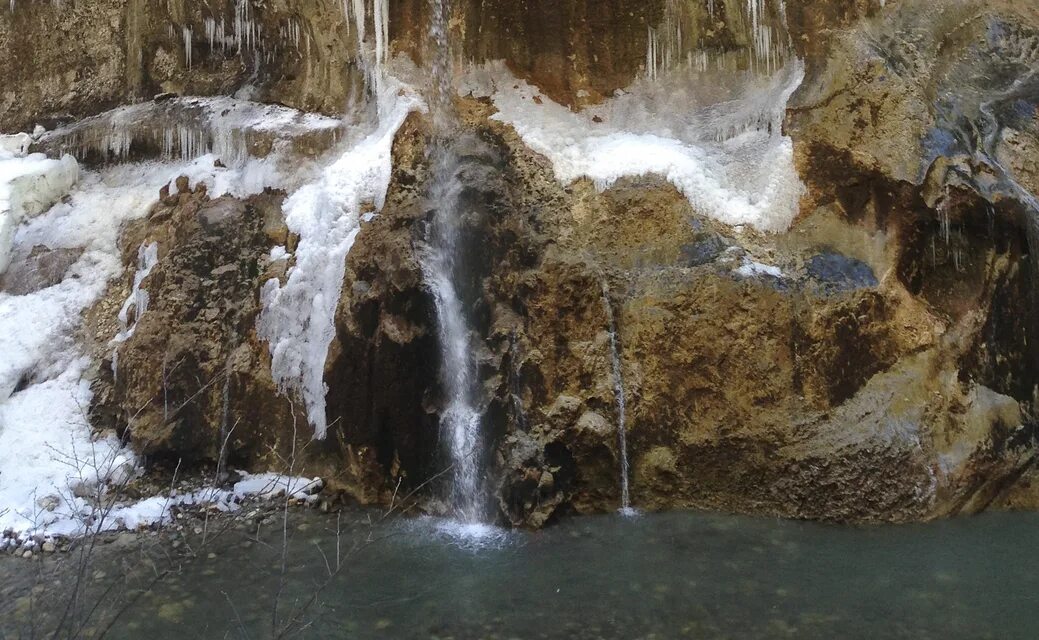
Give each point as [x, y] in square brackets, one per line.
[359, 19]
[382, 30]
[651, 54]
[943, 217]
[187, 46]
[210, 25]
[245, 29]
[763, 23]
[147, 258]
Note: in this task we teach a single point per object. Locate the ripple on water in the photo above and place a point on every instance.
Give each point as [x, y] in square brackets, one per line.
[474, 536]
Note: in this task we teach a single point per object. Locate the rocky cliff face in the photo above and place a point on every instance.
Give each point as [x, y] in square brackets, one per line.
[876, 361]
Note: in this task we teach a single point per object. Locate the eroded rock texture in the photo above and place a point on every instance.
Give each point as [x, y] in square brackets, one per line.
[192, 386]
[876, 362]
[74, 59]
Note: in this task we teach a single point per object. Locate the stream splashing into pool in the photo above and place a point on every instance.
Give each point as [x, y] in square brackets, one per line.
[443, 268]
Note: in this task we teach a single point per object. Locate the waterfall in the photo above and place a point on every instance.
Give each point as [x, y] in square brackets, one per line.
[618, 391]
[442, 267]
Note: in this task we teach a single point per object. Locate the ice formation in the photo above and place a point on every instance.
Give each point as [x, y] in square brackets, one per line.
[705, 117]
[147, 259]
[221, 130]
[51, 462]
[187, 47]
[242, 34]
[298, 316]
[49, 457]
[719, 144]
[29, 184]
[682, 40]
[186, 128]
[15, 145]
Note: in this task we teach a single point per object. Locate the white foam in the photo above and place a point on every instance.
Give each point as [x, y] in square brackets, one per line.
[470, 536]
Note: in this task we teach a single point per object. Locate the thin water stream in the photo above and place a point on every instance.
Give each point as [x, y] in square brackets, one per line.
[619, 394]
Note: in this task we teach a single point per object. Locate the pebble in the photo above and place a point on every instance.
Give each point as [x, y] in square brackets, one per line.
[48, 547]
[27, 555]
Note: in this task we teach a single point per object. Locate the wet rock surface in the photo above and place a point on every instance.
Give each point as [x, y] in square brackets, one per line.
[875, 362]
[835, 273]
[747, 391]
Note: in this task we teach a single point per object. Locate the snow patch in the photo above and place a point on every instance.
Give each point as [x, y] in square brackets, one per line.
[721, 146]
[751, 269]
[52, 466]
[28, 186]
[158, 510]
[278, 253]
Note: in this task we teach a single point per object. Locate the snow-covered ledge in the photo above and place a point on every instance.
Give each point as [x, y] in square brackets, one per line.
[29, 185]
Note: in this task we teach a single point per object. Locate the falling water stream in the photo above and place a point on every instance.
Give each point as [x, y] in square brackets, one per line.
[443, 267]
[618, 390]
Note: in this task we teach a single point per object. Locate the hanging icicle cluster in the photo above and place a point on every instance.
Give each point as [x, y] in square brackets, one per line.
[680, 41]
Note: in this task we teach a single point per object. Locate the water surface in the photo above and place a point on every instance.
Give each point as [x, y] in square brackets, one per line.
[677, 575]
